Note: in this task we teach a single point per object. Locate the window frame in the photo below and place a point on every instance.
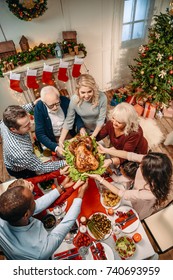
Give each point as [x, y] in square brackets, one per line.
[147, 21]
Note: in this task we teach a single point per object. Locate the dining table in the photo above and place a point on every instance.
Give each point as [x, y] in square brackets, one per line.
[92, 204]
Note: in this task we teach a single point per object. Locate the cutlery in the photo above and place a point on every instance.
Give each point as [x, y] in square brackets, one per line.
[127, 219]
[69, 257]
[97, 251]
[65, 254]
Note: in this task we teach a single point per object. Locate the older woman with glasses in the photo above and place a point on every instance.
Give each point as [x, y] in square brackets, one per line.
[50, 113]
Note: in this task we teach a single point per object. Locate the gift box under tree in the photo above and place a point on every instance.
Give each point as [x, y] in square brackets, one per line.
[149, 110]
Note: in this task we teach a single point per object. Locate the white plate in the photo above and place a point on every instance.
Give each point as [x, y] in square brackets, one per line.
[108, 251]
[119, 186]
[134, 225]
[107, 235]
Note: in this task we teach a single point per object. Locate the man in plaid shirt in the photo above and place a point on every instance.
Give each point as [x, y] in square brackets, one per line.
[18, 154]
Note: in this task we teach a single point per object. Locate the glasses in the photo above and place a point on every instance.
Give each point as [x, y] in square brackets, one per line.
[51, 106]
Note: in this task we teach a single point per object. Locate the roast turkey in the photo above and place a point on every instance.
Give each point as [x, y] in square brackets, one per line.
[82, 148]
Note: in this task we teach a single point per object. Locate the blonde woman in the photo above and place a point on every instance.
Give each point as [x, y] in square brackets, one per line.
[90, 104]
[124, 132]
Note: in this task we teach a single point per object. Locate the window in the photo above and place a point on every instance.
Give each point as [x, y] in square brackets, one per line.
[136, 19]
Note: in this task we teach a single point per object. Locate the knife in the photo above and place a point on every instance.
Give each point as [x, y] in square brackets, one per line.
[70, 257]
[65, 254]
[127, 219]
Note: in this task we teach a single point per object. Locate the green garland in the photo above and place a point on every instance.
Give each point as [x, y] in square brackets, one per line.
[43, 51]
[27, 14]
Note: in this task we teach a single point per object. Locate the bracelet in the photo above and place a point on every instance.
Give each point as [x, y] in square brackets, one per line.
[62, 188]
[101, 181]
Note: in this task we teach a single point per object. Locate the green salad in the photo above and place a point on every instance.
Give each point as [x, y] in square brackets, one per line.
[70, 159]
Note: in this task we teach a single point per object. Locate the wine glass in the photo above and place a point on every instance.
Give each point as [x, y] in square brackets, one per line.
[116, 231]
[83, 251]
[57, 211]
[69, 238]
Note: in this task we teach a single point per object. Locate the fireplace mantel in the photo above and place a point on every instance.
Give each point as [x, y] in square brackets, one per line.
[38, 65]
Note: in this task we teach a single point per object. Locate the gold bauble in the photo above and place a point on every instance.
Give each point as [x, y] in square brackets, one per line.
[171, 12]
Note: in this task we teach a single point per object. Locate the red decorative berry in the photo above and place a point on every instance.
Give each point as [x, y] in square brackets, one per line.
[143, 54]
[171, 72]
[170, 58]
[151, 76]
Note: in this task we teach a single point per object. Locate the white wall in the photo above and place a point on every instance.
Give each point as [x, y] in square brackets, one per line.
[97, 26]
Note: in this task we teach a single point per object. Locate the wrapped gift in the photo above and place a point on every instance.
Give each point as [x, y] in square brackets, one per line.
[149, 110]
[141, 100]
[168, 112]
[122, 90]
[131, 99]
[139, 109]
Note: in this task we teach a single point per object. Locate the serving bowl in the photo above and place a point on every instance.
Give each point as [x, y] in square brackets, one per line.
[49, 221]
[125, 246]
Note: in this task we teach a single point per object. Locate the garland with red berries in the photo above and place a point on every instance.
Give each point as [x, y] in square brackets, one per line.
[27, 10]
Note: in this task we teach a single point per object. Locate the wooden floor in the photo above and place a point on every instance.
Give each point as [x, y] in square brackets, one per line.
[166, 126]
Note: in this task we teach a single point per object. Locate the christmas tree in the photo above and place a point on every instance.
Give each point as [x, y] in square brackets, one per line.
[153, 69]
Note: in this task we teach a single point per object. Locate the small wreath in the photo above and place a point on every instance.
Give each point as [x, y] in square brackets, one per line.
[27, 9]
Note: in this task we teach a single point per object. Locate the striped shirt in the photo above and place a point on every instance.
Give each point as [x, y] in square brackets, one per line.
[18, 152]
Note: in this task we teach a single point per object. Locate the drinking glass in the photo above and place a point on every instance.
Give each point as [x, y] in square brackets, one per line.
[83, 251]
[69, 238]
[116, 231]
[57, 211]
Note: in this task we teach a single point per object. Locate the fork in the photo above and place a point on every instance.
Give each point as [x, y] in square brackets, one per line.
[97, 251]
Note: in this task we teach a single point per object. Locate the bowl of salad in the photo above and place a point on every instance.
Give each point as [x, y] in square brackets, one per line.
[125, 246]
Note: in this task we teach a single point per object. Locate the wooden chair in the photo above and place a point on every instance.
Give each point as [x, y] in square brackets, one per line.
[160, 227]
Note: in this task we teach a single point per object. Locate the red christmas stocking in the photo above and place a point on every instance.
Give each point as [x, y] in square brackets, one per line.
[76, 67]
[62, 73]
[47, 75]
[31, 81]
[15, 82]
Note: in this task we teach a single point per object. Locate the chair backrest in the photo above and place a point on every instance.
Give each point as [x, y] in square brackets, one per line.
[160, 226]
[5, 185]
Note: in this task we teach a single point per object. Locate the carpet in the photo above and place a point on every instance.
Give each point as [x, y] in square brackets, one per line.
[151, 131]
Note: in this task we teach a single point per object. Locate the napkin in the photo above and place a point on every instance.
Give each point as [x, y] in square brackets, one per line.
[102, 255]
[68, 253]
[125, 215]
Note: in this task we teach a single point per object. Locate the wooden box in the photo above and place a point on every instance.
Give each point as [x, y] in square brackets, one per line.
[7, 49]
[70, 36]
[24, 44]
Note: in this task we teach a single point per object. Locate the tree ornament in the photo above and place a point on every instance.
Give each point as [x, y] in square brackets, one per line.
[143, 54]
[142, 72]
[152, 76]
[154, 87]
[170, 58]
[171, 72]
[27, 10]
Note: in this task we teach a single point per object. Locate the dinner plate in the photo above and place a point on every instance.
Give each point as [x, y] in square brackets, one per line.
[119, 186]
[108, 252]
[134, 225]
[90, 233]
